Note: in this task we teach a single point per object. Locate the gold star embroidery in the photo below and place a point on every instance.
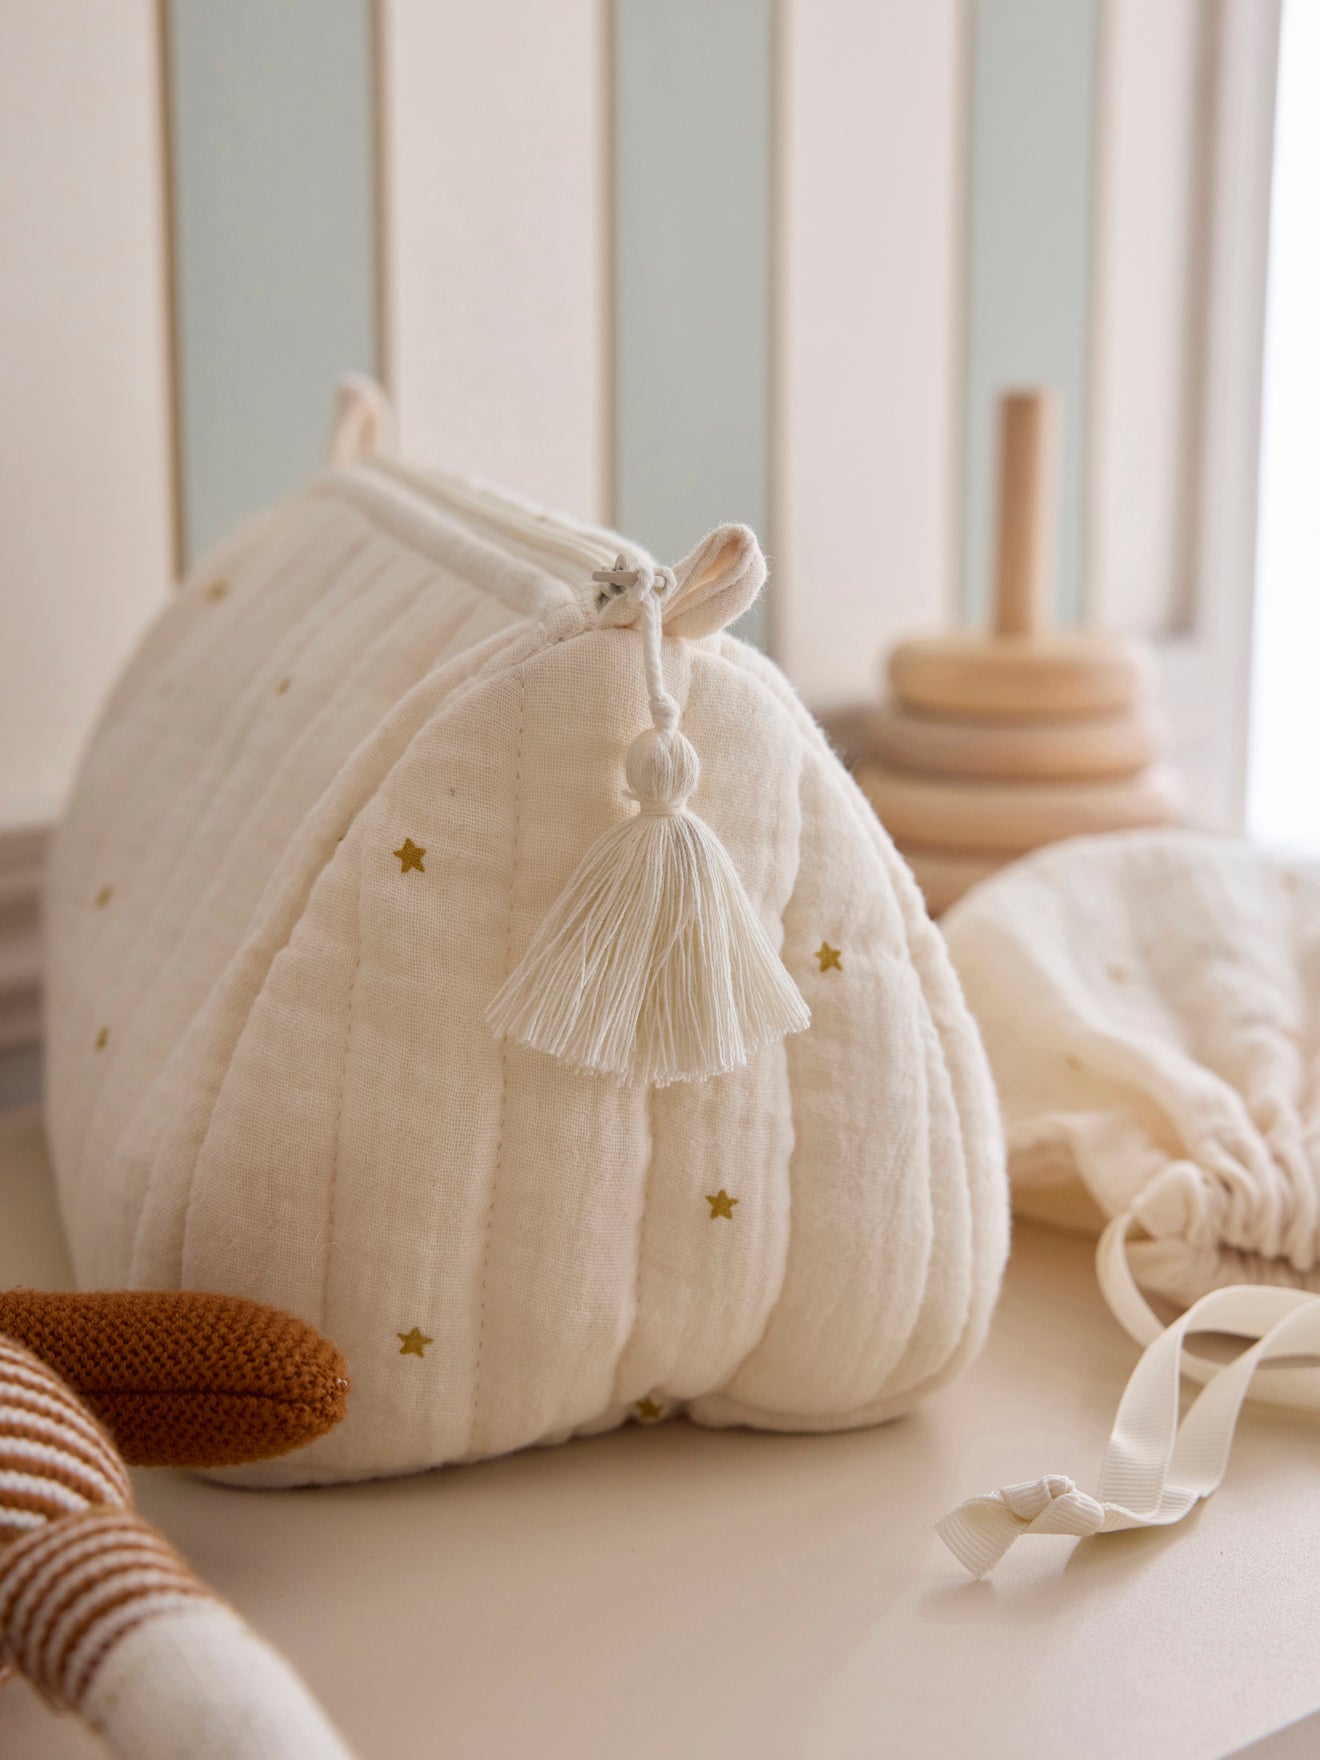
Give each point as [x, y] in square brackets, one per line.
[721, 1204]
[103, 1038]
[217, 591]
[409, 856]
[650, 1411]
[104, 896]
[830, 957]
[414, 1342]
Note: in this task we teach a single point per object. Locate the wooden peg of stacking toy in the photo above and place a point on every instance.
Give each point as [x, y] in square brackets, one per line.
[996, 741]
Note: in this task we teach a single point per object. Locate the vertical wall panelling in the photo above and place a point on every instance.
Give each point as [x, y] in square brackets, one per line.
[1283, 801]
[870, 169]
[85, 509]
[1154, 141]
[1033, 67]
[380, 197]
[692, 106]
[1184, 143]
[1206, 670]
[493, 159]
[274, 238]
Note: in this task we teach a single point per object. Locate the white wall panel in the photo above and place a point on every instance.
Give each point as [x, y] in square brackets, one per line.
[1283, 800]
[1147, 360]
[1206, 669]
[85, 474]
[493, 135]
[870, 175]
[1185, 150]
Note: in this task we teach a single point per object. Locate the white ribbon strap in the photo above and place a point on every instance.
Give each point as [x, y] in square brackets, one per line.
[980, 1531]
[1155, 1470]
[1297, 1388]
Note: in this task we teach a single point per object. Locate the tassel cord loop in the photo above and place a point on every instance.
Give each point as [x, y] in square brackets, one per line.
[664, 706]
[632, 594]
[652, 965]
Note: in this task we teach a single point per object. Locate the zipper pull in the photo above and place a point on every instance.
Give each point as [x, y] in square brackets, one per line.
[616, 578]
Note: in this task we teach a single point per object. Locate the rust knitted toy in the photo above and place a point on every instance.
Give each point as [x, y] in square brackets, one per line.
[182, 1379]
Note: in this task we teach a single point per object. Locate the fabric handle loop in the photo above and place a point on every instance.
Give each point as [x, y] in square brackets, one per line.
[363, 424]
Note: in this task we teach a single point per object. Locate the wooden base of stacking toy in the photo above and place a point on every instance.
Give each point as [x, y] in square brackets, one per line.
[945, 874]
[1082, 748]
[994, 742]
[1010, 817]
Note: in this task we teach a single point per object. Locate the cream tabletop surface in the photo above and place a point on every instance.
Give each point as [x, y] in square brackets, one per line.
[671, 1591]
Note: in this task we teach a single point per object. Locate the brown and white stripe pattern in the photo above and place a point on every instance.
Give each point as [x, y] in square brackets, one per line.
[79, 1569]
[55, 1460]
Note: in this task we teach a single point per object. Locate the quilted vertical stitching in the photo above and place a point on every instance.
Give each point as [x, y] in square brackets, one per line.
[333, 1185]
[616, 1390]
[481, 681]
[234, 733]
[785, 1050]
[148, 1187]
[504, 1065]
[939, 985]
[173, 823]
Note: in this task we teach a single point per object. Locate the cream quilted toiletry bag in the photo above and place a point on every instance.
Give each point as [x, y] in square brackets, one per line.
[459, 939]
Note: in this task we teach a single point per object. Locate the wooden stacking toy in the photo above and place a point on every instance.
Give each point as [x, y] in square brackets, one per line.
[995, 742]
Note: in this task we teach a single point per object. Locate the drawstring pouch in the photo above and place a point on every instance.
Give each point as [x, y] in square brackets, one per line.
[1150, 1003]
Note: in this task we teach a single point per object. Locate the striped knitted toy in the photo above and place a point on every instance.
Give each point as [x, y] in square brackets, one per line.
[101, 1613]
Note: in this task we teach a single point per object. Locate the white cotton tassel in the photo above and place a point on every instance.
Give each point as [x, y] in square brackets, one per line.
[652, 966]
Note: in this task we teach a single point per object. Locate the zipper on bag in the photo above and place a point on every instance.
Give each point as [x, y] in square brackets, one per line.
[567, 549]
